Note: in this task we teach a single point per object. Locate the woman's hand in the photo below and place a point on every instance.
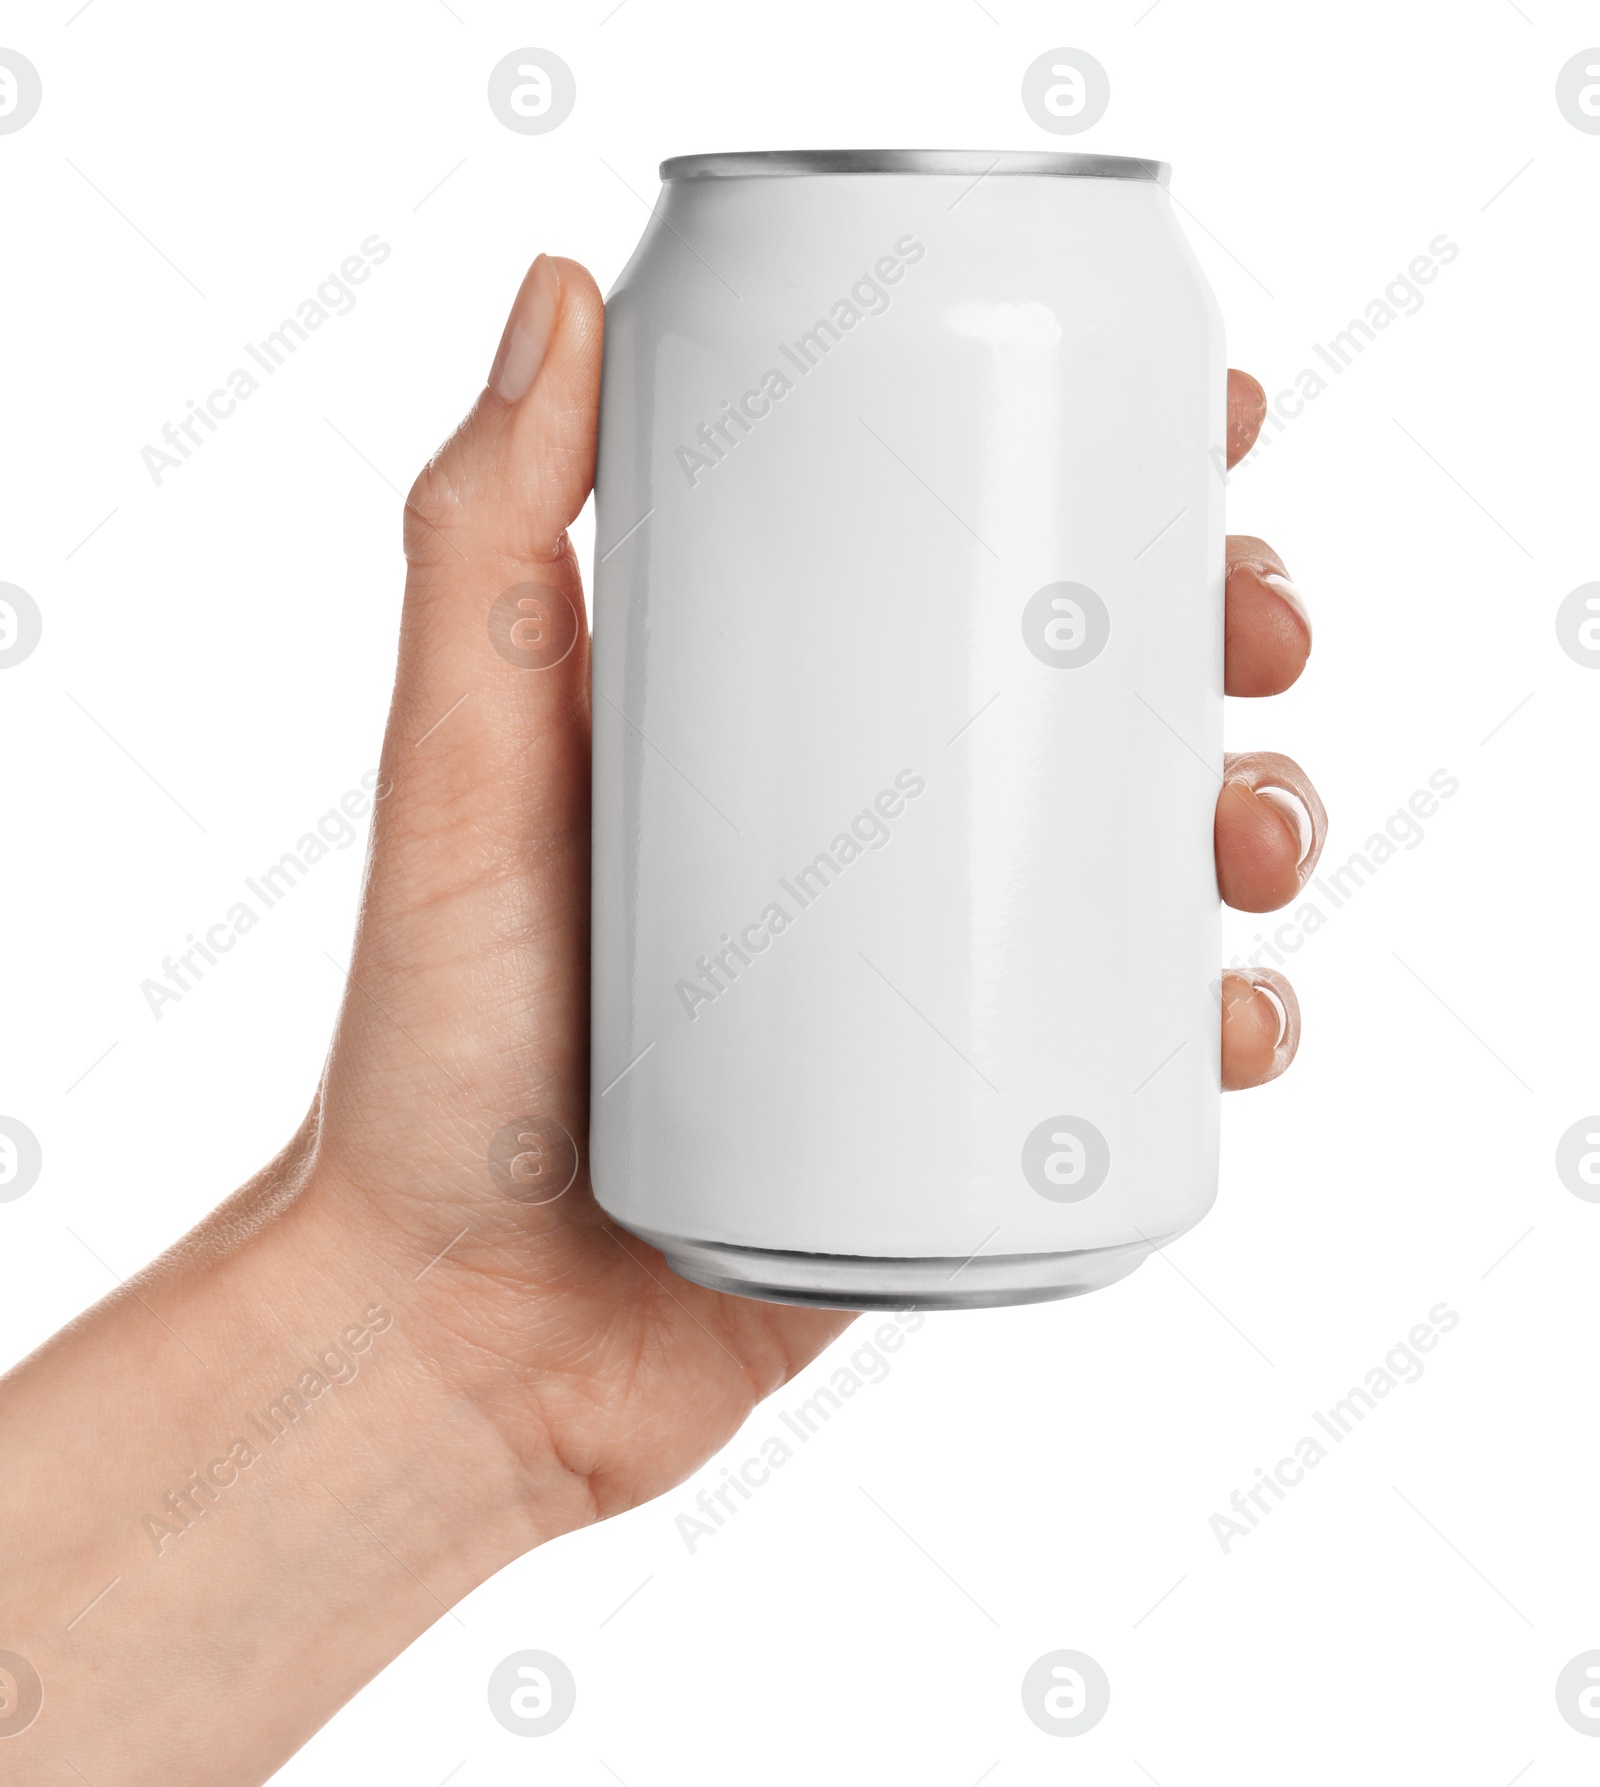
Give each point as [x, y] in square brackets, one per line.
[492, 1372]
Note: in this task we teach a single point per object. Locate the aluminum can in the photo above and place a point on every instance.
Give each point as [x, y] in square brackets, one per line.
[908, 632]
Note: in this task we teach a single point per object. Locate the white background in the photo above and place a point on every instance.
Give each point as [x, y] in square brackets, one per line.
[1404, 1613]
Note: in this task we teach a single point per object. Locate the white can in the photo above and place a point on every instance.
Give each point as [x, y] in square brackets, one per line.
[907, 727]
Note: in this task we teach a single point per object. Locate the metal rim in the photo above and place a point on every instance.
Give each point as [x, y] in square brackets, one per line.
[860, 1281]
[972, 163]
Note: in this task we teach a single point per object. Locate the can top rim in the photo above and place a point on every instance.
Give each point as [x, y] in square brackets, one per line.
[975, 162]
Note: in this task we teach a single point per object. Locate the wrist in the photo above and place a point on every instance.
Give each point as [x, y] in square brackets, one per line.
[267, 1419]
[353, 1357]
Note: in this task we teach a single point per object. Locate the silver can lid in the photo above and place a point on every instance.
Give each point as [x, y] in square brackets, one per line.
[973, 163]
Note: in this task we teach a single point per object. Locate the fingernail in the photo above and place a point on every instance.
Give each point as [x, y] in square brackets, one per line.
[1297, 813]
[1281, 784]
[1244, 992]
[1247, 410]
[1244, 988]
[527, 333]
[1286, 591]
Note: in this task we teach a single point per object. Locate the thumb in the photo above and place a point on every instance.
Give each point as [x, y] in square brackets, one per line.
[501, 491]
[480, 845]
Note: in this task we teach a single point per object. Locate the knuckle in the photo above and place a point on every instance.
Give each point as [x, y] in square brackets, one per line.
[434, 509]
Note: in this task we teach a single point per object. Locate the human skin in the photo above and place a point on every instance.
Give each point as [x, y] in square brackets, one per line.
[522, 1370]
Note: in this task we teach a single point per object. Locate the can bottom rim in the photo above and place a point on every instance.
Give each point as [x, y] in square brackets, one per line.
[863, 1281]
[975, 164]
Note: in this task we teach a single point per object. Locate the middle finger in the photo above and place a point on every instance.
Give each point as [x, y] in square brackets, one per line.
[1270, 826]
